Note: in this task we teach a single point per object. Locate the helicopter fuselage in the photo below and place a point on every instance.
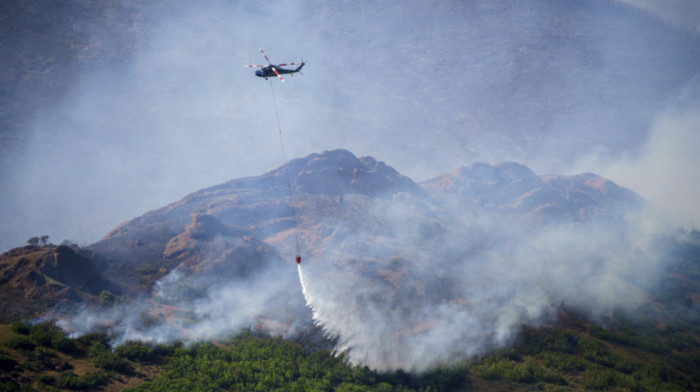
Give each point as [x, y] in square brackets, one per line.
[269, 71]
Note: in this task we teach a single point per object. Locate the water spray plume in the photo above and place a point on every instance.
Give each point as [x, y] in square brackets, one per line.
[303, 287]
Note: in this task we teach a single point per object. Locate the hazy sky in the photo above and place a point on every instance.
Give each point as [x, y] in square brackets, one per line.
[427, 87]
[682, 13]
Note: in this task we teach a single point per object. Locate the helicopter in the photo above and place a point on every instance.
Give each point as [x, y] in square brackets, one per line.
[271, 70]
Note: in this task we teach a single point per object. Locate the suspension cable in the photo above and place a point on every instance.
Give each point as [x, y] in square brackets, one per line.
[286, 169]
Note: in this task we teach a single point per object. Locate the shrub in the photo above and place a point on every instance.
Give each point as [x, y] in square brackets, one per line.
[108, 360]
[31, 365]
[597, 352]
[10, 386]
[41, 334]
[600, 379]
[136, 351]
[20, 342]
[164, 350]
[21, 327]
[49, 335]
[94, 379]
[91, 339]
[527, 372]
[7, 363]
[65, 345]
[47, 379]
[90, 381]
[534, 341]
[562, 361]
[41, 353]
[611, 336]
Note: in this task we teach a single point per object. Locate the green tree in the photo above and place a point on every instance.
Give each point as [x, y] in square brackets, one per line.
[44, 239]
[34, 241]
[107, 298]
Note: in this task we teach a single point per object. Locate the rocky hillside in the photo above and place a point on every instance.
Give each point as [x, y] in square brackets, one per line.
[36, 278]
[247, 211]
[255, 216]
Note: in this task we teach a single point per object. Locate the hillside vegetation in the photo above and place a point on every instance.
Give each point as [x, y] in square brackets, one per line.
[654, 348]
[574, 355]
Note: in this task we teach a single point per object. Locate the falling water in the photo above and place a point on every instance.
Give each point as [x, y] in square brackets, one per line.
[304, 290]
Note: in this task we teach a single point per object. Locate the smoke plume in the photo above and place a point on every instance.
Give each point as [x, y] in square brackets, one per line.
[664, 170]
[189, 306]
[412, 293]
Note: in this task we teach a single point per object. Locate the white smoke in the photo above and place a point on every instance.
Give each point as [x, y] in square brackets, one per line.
[400, 296]
[404, 283]
[189, 306]
[665, 170]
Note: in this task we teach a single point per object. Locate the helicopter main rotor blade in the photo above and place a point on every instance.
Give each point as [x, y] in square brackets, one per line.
[278, 74]
[255, 66]
[264, 55]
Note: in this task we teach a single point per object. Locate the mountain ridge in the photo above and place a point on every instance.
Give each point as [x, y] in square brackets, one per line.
[337, 185]
[256, 216]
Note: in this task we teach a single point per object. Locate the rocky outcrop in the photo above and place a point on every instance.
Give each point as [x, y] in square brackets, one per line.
[208, 245]
[339, 172]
